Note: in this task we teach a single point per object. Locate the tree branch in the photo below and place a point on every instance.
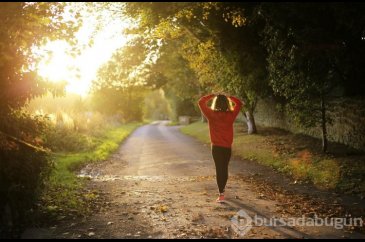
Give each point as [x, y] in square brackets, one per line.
[25, 143]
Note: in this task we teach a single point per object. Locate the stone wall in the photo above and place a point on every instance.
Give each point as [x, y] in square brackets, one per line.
[348, 125]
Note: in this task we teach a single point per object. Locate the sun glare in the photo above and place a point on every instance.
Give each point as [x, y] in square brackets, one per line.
[58, 64]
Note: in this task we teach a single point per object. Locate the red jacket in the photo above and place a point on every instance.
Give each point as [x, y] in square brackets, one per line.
[220, 123]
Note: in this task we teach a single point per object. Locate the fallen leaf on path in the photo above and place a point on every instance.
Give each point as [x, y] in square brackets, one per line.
[163, 209]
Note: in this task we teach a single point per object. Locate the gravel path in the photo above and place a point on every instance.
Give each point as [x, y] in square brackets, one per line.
[161, 184]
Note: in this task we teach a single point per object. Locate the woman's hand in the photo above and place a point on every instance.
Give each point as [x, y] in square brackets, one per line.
[225, 94]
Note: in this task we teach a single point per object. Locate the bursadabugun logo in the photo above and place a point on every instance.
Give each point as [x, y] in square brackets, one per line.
[241, 223]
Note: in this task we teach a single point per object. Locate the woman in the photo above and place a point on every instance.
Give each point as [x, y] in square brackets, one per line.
[220, 119]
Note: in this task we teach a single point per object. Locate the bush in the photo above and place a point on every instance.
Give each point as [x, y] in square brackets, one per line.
[76, 132]
[23, 170]
[60, 139]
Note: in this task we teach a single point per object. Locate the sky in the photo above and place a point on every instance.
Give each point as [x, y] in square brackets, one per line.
[57, 65]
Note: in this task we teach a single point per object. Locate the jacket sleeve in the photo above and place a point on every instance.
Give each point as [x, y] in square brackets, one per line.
[238, 105]
[203, 105]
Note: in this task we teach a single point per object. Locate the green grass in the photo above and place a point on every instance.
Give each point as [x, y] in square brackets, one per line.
[65, 192]
[294, 155]
[173, 123]
[198, 130]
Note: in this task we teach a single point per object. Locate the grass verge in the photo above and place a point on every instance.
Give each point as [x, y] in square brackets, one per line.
[65, 193]
[173, 123]
[300, 156]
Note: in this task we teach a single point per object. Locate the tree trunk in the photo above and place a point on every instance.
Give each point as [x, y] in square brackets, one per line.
[203, 118]
[324, 126]
[251, 125]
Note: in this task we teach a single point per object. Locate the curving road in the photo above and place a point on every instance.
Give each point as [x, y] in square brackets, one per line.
[161, 184]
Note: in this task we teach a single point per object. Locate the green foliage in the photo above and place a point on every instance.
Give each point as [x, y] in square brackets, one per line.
[181, 87]
[120, 85]
[25, 25]
[230, 57]
[71, 122]
[23, 170]
[64, 193]
[156, 106]
[309, 49]
[212, 41]
[125, 104]
[23, 166]
[125, 68]
[304, 53]
[300, 68]
[62, 139]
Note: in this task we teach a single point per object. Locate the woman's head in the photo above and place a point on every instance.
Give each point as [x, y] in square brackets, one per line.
[221, 103]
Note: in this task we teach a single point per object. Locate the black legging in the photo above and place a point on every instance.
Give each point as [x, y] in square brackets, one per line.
[221, 156]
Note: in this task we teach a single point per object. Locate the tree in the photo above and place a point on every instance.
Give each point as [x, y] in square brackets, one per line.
[219, 61]
[179, 81]
[24, 164]
[156, 106]
[126, 104]
[24, 26]
[349, 22]
[240, 45]
[307, 55]
[121, 82]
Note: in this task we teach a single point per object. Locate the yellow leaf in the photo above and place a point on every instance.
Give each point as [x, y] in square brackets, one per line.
[163, 208]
